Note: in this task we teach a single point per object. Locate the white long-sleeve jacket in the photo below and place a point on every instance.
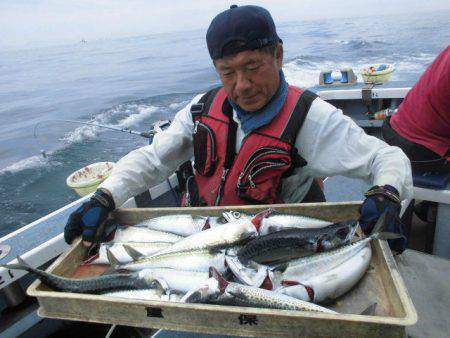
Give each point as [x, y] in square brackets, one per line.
[332, 144]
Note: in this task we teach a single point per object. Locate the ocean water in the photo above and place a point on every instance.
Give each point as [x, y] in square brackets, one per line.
[136, 81]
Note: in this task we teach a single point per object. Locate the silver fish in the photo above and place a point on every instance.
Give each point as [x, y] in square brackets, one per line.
[120, 253]
[308, 267]
[221, 291]
[177, 280]
[121, 281]
[331, 284]
[199, 261]
[277, 221]
[182, 225]
[156, 292]
[139, 234]
[250, 273]
[219, 237]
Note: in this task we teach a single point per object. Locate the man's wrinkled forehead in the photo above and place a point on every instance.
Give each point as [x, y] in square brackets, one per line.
[242, 59]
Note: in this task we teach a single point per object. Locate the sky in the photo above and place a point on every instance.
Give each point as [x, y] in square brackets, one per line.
[34, 23]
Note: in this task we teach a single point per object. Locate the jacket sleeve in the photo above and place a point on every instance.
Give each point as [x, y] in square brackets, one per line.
[150, 165]
[333, 144]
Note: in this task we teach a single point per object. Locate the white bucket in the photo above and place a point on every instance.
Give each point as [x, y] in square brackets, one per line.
[87, 179]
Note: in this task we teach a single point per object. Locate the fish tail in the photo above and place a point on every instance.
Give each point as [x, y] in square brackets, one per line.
[380, 225]
[47, 278]
[21, 265]
[113, 261]
[160, 284]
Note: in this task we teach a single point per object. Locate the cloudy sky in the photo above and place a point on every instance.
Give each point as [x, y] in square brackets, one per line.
[41, 22]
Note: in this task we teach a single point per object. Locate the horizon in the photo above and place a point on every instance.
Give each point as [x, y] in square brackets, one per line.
[25, 22]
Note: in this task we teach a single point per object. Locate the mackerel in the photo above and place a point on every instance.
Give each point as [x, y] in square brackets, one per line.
[158, 290]
[219, 237]
[330, 284]
[176, 280]
[182, 225]
[139, 234]
[199, 261]
[277, 221]
[297, 242]
[121, 281]
[218, 290]
[307, 267]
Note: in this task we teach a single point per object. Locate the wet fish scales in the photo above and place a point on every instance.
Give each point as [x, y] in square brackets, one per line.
[88, 285]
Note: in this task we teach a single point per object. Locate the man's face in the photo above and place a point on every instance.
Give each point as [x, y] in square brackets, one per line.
[250, 78]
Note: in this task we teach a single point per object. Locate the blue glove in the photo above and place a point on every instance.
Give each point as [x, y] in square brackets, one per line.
[88, 217]
[380, 199]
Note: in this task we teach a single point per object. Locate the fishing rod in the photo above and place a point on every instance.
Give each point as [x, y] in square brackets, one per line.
[145, 134]
[158, 126]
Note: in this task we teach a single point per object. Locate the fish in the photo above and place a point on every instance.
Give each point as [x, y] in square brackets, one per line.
[139, 234]
[158, 289]
[331, 284]
[199, 260]
[250, 273]
[219, 290]
[309, 266]
[177, 280]
[186, 224]
[277, 221]
[219, 237]
[121, 255]
[95, 285]
[297, 242]
[182, 225]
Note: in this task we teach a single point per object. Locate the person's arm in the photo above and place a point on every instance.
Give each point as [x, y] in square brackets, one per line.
[333, 144]
[133, 174]
[150, 165]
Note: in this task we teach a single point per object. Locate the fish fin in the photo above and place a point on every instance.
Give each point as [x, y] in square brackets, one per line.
[192, 297]
[113, 261]
[132, 252]
[15, 267]
[370, 310]
[21, 265]
[217, 276]
[22, 262]
[206, 226]
[256, 220]
[160, 284]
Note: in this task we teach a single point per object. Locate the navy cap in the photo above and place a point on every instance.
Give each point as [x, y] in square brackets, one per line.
[252, 25]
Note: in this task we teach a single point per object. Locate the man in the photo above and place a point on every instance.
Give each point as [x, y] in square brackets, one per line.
[256, 139]
[421, 126]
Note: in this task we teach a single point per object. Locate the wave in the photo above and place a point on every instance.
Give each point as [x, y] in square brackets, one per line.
[32, 162]
[361, 43]
[127, 115]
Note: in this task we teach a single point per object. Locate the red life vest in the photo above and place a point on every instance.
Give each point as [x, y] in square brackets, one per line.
[266, 155]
